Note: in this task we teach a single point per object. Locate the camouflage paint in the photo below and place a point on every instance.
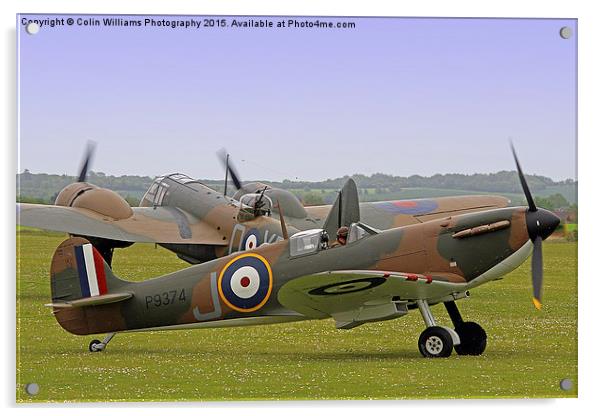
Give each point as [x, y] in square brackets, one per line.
[200, 224]
[182, 297]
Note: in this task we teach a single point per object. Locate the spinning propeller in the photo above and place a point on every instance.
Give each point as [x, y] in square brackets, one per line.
[540, 224]
[83, 172]
[67, 196]
[81, 194]
[225, 158]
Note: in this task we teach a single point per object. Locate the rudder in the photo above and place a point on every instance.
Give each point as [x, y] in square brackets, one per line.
[85, 292]
[79, 271]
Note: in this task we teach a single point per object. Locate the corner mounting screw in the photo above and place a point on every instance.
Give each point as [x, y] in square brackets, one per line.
[566, 32]
[566, 384]
[32, 389]
[32, 28]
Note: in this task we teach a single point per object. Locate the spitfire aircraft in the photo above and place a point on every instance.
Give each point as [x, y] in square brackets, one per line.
[377, 274]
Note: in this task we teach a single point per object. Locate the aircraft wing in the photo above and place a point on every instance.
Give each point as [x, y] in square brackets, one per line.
[353, 297]
[146, 225]
[389, 214]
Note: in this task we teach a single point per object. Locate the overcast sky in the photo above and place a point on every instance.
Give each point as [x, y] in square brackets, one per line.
[401, 96]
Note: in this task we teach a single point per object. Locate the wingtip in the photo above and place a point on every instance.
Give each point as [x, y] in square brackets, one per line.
[537, 304]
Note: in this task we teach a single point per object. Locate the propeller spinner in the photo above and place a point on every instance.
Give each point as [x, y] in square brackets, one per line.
[540, 224]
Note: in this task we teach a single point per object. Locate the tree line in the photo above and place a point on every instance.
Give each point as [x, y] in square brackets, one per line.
[43, 188]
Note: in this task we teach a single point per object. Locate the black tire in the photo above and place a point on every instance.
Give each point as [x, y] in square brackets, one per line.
[93, 344]
[435, 342]
[473, 339]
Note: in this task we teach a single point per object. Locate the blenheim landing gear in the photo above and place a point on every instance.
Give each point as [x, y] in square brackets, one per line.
[467, 338]
[98, 346]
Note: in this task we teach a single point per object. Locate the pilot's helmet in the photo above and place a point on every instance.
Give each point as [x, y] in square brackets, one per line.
[342, 232]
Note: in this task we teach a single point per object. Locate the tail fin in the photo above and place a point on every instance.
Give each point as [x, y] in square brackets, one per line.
[79, 271]
[79, 277]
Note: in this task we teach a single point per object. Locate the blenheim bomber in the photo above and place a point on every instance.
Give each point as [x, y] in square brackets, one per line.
[260, 257]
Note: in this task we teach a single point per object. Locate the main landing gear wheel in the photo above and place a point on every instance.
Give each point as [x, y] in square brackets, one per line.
[473, 339]
[435, 342]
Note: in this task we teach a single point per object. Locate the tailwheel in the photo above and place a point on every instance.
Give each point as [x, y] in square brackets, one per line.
[473, 339]
[96, 346]
[435, 342]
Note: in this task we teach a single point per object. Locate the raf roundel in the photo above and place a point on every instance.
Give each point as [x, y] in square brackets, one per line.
[251, 240]
[409, 207]
[351, 286]
[245, 283]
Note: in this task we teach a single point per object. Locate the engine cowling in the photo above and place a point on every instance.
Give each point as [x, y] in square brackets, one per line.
[68, 194]
[100, 200]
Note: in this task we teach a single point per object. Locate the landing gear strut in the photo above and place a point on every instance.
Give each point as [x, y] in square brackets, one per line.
[435, 341]
[473, 338]
[98, 346]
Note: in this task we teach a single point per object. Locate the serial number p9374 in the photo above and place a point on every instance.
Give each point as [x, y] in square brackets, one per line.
[166, 298]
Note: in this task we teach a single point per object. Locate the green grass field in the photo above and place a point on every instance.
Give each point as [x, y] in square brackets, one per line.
[528, 351]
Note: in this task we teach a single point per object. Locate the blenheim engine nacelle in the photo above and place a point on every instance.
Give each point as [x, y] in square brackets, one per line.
[103, 201]
[100, 200]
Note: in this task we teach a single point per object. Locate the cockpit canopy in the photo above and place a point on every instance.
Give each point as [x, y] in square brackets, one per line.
[356, 232]
[253, 206]
[307, 242]
[160, 186]
[311, 241]
[289, 203]
[250, 200]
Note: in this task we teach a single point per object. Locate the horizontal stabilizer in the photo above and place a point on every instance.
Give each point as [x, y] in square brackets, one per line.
[92, 301]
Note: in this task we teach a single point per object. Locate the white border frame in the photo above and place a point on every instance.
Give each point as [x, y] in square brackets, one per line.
[589, 71]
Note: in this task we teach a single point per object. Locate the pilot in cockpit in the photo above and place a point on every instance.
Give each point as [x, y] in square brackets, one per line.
[341, 237]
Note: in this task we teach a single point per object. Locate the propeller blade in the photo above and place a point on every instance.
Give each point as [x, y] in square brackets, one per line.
[523, 182]
[225, 159]
[234, 176]
[226, 179]
[537, 271]
[540, 224]
[83, 172]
